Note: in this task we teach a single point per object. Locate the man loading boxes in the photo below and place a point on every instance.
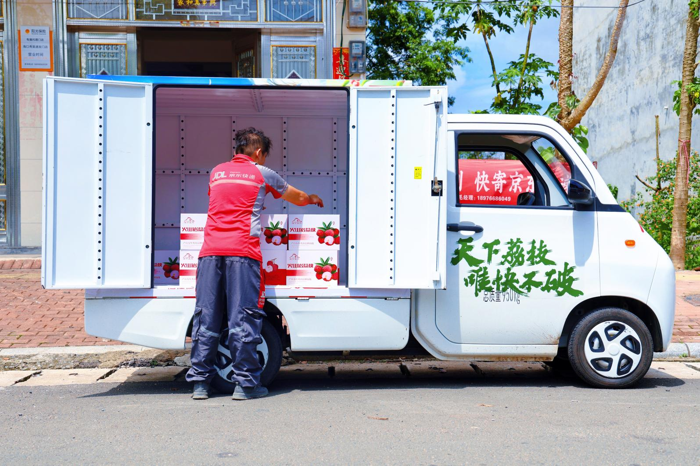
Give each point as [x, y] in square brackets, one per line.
[229, 272]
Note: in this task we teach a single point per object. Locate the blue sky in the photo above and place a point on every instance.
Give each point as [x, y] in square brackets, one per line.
[472, 86]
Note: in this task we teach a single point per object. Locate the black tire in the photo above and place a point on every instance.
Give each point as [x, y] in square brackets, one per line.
[271, 366]
[610, 331]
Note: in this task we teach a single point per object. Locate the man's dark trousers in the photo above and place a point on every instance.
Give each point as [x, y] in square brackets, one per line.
[228, 290]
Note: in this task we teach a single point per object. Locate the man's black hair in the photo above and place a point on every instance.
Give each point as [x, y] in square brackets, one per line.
[250, 139]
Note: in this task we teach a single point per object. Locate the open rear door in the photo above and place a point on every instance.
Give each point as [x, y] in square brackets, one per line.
[98, 183]
[396, 173]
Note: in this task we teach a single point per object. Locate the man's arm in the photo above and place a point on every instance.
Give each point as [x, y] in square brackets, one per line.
[300, 198]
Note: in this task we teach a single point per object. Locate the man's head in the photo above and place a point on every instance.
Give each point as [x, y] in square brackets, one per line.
[254, 144]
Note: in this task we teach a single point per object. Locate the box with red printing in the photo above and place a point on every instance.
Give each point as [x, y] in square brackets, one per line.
[188, 268]
[273, 234]
[312, 268]
[275, 266]
[166, 267]
[314, 231]
[192, 231]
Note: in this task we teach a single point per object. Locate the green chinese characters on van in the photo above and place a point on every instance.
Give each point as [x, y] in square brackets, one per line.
[508, 267]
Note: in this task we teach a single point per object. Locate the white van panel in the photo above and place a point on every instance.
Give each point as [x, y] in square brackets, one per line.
[315, 324]
[156, 323]
[397, 146]
[97, 184]
[346, 324]
[625, 271]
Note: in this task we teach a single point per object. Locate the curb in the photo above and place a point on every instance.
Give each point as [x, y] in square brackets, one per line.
[680, 351]
[76, 357]
[86, 357]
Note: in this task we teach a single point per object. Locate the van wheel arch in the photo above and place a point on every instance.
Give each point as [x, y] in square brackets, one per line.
[632, 305]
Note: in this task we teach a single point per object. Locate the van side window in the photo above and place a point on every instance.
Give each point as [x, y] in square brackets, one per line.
[493, 178]
[510, 170]
[555, 161]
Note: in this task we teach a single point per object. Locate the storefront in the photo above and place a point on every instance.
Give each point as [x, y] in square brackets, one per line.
[221, 38]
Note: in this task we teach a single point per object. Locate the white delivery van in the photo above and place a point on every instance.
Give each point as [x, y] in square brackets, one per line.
[465, 237]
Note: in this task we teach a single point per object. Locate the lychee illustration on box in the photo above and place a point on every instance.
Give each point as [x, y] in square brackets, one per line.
[166, 267]
[314, 232]
[188, 268]
[275, 266]
[273, 233]
[312, 268]
[192, 231]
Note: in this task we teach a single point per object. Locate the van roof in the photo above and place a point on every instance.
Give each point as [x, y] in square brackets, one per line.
[233, 82]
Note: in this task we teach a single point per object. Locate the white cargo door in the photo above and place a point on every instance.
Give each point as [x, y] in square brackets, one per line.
[98, 180]
[397, 156]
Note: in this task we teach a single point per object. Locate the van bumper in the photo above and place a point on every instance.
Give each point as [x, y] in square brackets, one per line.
[662, 297]
[155, 323]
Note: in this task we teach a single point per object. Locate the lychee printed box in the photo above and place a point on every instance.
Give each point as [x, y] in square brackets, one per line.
[192, 231]
[166, 267]
[312, 268]
[188, 268]
[275, 266]
[314, 232]
[274, 234]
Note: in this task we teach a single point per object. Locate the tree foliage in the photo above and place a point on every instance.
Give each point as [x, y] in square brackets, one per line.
[657, 212]
[409, 41]
[518, 87]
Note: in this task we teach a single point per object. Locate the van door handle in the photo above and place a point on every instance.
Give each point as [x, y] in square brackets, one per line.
[464, 227]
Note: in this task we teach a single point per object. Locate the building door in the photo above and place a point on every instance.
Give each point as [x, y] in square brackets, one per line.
[192, 52]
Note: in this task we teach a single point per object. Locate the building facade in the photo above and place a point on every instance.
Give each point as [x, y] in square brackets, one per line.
[622, 120]
[213, 38]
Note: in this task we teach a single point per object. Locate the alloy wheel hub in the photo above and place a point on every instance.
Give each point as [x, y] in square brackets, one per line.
[613, 349]
[223, 357]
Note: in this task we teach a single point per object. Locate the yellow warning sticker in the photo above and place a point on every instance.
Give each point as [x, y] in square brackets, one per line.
[417, 173]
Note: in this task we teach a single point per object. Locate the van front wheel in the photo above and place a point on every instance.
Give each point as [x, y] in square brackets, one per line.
[269, 354]
[610, 348]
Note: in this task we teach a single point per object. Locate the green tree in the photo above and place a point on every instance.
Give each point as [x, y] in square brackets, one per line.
[685, 105]
[657, 207]
[519, 83]
[516, 85]
[409, 41]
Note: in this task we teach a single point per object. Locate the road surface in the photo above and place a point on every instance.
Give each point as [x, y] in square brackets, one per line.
[443, 413]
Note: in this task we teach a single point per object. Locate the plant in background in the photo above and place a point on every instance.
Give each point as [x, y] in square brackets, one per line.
[408, 41]
[657, 212]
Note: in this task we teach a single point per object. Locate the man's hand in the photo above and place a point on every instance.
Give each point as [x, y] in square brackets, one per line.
[315, 200]
[300, 198]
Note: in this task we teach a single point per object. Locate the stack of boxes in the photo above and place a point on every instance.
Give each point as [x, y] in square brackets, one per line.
[191, 241]
[312, 256]
[297, 250]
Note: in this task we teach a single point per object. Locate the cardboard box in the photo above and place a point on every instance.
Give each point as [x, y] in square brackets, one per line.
[314, 232]
[166, 267]
[273, 234]
[188, 268]
[312, 268]
[275, 266]
[192, 231]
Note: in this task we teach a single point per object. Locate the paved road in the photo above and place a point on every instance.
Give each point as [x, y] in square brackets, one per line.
[441, 414]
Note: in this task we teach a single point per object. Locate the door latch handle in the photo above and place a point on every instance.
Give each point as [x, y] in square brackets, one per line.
[464, 227]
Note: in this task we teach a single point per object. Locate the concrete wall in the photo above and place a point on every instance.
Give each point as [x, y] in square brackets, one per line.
[649, 58]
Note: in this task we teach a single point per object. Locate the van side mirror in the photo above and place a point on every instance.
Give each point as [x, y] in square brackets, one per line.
[579, 193]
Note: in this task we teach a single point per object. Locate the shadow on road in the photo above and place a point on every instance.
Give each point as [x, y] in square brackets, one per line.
[349, 377]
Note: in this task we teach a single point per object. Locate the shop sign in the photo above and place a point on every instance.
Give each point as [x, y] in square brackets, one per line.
[35, 50]
[196, 4]
[337, 72]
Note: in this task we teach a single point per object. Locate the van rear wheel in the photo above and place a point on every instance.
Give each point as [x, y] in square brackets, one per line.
[269, 354]
[610, 348]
